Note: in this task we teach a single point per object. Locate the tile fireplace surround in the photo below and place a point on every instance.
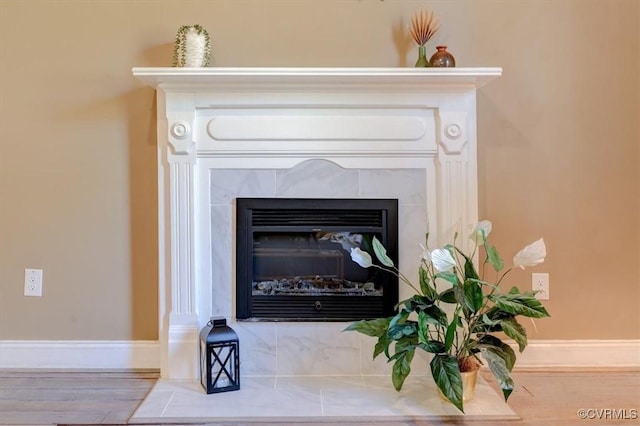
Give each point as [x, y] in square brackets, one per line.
[224, 133]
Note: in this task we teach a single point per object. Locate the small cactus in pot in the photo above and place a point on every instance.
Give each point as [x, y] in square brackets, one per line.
[192, 47]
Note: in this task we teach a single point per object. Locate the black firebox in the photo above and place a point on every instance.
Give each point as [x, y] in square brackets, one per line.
[293, 259]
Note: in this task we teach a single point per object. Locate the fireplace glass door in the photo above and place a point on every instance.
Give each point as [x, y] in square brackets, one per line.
[294, 259]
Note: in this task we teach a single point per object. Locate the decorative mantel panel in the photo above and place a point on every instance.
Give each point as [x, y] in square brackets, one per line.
[271, 120]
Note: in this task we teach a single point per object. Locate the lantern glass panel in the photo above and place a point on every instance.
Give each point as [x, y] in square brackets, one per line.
[223, 365]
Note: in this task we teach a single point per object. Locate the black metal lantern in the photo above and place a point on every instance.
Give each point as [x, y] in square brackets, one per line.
[219, 357]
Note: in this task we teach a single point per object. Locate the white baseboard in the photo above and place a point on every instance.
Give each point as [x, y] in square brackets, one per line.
[89, 354]
[579, 354]
[79, 354]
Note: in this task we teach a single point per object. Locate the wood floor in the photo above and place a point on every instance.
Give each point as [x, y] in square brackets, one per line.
[541, 397]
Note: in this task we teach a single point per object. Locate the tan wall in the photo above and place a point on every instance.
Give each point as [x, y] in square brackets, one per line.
[559, 138]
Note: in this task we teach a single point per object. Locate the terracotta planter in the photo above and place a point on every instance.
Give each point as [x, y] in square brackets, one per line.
[468, 386]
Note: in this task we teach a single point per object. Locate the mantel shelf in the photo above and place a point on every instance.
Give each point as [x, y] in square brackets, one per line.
[181, 78]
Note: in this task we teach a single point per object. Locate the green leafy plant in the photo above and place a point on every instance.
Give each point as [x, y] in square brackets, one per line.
[455, 314]
[180, 45]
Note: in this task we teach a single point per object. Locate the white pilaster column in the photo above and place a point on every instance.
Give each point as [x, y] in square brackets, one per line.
[181, 320]
[457, 188]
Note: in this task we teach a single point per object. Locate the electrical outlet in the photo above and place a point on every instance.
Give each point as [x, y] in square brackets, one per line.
[33, 282]
[540, 283]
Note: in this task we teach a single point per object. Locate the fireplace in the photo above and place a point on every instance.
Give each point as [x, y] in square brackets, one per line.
[293, 259]
[357, 133]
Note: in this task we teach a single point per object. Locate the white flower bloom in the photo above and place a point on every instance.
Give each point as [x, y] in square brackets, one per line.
[531, 255]
[483, 227]
[442, 260]
[362, 258]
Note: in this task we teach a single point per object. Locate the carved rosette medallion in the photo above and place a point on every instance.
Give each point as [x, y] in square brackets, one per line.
[453, 131]
[453, 134]
[180, 129]
[180, 137]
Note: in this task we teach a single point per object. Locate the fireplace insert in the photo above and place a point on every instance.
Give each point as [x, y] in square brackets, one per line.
[293, 259]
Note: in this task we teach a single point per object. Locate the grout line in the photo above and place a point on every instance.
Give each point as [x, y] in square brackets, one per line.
[167, 404]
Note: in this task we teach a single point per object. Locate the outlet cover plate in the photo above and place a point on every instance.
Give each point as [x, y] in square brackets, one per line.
[33, 282]
[540, 283]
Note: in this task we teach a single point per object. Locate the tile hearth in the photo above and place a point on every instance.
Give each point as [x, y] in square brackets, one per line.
[341, 399]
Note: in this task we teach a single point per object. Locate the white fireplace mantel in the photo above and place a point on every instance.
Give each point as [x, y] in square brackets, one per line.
[277, 119]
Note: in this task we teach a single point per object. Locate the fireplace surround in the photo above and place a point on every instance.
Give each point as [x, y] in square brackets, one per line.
[227, 133]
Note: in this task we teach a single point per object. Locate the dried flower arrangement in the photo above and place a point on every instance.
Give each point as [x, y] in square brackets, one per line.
[423, 27]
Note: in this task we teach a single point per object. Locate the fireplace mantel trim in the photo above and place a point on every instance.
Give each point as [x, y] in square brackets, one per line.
[172, 78]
